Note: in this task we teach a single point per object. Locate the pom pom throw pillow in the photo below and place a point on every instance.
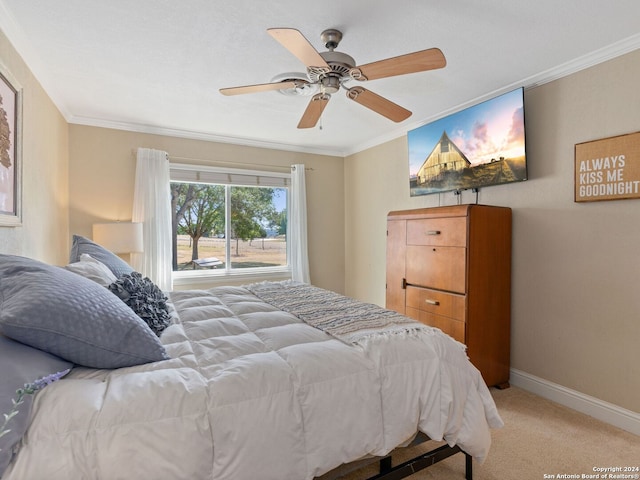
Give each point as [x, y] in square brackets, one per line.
[144, 298]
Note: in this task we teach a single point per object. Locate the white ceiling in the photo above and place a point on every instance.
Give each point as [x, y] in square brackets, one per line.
[156, 65]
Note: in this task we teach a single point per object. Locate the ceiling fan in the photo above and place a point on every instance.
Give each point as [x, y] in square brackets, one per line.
[329, 71]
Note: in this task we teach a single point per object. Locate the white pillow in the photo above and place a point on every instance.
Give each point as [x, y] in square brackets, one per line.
[92, 269]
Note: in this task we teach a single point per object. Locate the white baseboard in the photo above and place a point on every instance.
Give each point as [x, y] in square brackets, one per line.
[604, 411]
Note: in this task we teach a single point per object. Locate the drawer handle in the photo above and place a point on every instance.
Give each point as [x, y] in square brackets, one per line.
[433, 232]
[432, 302]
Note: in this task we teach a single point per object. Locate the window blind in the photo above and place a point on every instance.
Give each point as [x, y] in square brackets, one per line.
[228, 176]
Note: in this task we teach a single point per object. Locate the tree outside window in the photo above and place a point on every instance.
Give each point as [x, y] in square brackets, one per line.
[228, 227]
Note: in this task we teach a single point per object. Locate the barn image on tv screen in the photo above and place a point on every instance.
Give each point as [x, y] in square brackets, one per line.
[487, 148]
[446, 157]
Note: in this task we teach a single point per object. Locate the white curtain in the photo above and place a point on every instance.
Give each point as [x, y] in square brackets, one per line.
[152, 207]
[298, 225]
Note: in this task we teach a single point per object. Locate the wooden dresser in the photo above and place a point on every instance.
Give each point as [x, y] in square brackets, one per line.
[450, 267]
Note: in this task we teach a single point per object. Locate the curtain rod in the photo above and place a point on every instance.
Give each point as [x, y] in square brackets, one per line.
[236, 164]
[134, 151]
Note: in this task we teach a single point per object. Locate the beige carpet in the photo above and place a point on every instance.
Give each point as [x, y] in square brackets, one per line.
[540, 437]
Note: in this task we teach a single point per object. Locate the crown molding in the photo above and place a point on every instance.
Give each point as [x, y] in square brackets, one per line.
[610, 52]
[194, 135]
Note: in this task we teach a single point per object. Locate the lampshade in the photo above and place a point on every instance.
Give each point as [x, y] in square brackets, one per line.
[119, 237]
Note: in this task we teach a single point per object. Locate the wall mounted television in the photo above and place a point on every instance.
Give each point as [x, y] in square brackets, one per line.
[480, 146]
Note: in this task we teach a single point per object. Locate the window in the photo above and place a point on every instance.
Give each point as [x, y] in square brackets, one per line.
[228, 221]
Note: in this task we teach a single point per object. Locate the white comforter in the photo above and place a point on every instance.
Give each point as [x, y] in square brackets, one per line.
[254, 393]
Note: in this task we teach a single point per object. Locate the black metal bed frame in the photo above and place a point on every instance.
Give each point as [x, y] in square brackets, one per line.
[403, 470]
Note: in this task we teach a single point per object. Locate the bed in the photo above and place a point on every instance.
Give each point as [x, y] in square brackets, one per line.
[272, 381]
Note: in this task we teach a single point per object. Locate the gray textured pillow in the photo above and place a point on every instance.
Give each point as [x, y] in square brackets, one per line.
[82, 245]
[62, 313]
[20, 365]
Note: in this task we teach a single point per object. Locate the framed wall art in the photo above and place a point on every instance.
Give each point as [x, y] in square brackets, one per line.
[10, 150]
[608, 169]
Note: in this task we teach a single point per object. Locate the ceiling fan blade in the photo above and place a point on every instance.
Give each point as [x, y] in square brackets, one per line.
[262, 87]
[299, 46]
[314, 110]
[421, 61]
[378, 104]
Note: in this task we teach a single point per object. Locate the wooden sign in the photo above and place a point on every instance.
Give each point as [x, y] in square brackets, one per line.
[608, 169]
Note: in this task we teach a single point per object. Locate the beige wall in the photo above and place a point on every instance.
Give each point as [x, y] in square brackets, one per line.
[575, 299]
[102, 171]
[45, 185]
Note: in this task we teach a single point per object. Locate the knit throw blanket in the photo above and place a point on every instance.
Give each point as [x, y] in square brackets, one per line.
[344, 318]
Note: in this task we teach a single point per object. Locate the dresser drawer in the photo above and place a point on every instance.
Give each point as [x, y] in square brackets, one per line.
[436, 302]
[448, 231]
[440, 268]
[450, 326]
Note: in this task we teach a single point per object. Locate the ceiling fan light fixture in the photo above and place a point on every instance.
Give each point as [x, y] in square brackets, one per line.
[302, 88]
[330, 84]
